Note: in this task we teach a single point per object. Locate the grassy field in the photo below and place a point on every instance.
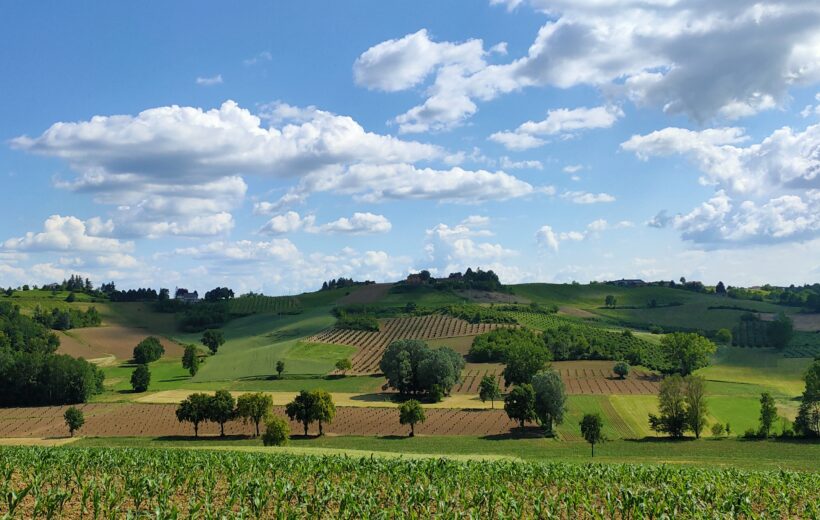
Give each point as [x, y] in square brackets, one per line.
[795, 455]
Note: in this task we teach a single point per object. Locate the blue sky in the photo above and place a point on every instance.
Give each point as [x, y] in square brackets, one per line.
[270, 146]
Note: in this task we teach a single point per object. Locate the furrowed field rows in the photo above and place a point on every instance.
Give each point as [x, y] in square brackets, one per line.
[371, 345]
[126, 420]
[579, 377]
[264, 304]
[137, 483]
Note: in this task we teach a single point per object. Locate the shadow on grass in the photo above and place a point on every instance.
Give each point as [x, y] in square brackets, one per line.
[203, 437]
[377, 398]
[528, 432]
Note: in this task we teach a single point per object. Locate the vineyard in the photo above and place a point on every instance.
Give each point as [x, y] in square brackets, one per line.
[259, 304]
[114, 483]
[372, 344]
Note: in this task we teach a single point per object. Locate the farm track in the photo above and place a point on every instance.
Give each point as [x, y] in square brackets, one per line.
[372, 345]
[146, 420]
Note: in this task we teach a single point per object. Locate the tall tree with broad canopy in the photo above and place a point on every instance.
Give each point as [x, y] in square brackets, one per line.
[808, 416]
[696, 410]
[488, 390]
[592, 429]
[213, 339]
[254, 408]
[324, 409]
[190, 359]
[520, 404]
[221, 409]
[522, 362]
[686, 352]
[411, 412]
[672, 407]
[74, 419]
[411, 367]
[302, 409]
[194, 409]
[550, 398]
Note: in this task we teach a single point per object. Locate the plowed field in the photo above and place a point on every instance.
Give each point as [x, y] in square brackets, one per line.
[112, 340]
[372, 344]
[118, 419]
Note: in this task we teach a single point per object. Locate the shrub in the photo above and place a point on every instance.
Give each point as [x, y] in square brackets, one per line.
[357, 322]
[277, 432]
[621, 369]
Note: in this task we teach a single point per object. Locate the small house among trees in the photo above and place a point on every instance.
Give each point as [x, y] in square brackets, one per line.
[185, 296]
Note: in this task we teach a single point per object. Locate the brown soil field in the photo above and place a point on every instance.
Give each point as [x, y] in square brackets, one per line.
[113, 340]
[491, 297]
[73, 347]
[156, 420]
[576, 312]
[580, 378]
[807, 322]
[372, 344]
[366, 294]
[460, 344]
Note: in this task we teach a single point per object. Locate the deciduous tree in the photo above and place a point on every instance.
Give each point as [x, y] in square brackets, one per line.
[411, 412]
[488, 390]
[74, 419]
[140, 378]
[592, 429]
[343, 365]
[277, 432]
[190, 359]
[695, 404]
[621, 369]
[672, 407]
[768, 413]
[255, 408]
[523, 362]
[280, 367]
[221, 409]
[520, 404]
[324, 409]
[194, 409]
[686, 352]
[302, 409]
[808, 416]
[550, 398]
[213, 339]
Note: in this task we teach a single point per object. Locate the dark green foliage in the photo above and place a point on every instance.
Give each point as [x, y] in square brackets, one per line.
[488, 390]
[768, 413]
[218, 294]
[194, 409]
[808, 416]
[621, 369]
[71, 298]
[190, 359]
[550, 398]
[581, 341]
[65, 319]
[724, 336]
[780, 331]
[204, 315]
[325, 409]
[303, 409]
[494, 345]
[520, 404]
[357, 322]
[31, 374]
[254, 408]
[131, 295]
[478, 314]
[221, 409]
[696, 409]
[411, 412]
[672, 408]
[411, 367]
[686, 352]
[277, 432]
[592, 427]
[280, 367]
[522, 362]
[140, 378]
[213, 339]
[74, 419]
[148, 350]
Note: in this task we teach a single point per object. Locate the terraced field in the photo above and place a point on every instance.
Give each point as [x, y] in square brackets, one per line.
[371, 345]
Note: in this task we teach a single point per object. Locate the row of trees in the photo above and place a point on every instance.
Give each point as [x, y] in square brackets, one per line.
[66, 319]
[222, 407]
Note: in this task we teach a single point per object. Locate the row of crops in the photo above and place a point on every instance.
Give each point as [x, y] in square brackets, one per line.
[751, 333]
[120, 483]
[259, 304]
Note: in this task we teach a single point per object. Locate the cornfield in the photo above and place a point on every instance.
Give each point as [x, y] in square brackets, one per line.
[136, 483]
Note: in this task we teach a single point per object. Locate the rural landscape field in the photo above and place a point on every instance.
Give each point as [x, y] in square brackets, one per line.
[465, 259]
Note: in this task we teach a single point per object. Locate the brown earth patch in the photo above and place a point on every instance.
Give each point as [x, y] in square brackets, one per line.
[367, 294]
[575, 312]
[372, 344]
[118, 341]
[476, 296]
[807, 322]
[156, 420]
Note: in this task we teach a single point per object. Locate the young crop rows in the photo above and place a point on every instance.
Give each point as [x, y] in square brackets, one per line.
[372, 344]
[137, 483]
[151, 420]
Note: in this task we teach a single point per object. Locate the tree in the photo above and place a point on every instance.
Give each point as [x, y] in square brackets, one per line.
[621, 369]
[520, 404]
[523, 362]
[219, 293]
[724, 336]
[254, 408]
[720, 289]
[411, 412]
[488, 390]
[438, 371]
[610, 300]
[324, 409]
[140, 378]
[302, 409]
[686, 352]
[74, 419]
[190, 359]
[768, 413]
[280, 367]
[221, 409]
[808, 416]
[148, 350]
[550, 398]
[71, 298]
[277, 432]
[194, 409]
[780, 331]
[718, 429]
[695, 404]
[213, 339]
[411, 367]
[592, 429]
[343, 365]
[672, 407]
